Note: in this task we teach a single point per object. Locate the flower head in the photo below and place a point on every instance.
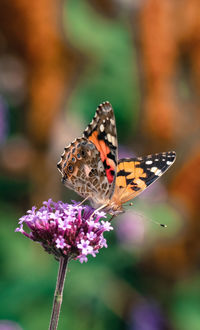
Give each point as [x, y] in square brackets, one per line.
[65, 229]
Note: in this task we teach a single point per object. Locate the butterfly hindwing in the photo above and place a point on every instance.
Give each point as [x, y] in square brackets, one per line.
[83, 171]
[135, 174]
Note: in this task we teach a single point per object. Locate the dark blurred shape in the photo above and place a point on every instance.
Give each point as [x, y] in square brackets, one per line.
[17, 156]
[148, 316]
[3, 121]
[13, 80]
[108, 8]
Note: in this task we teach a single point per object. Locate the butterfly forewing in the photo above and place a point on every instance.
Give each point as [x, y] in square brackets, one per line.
[135, 174]
[102, 133]
[88, 165]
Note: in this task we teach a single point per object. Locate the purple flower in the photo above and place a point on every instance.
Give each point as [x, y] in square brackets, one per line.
[148, 316]
[85, 247]
[9, 325]
[131, 229]
[60, 242]
[66, 229]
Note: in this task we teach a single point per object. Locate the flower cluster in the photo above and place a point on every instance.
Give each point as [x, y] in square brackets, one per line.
[69, 230]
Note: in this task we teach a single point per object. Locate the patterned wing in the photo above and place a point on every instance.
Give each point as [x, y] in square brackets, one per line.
[102, 133]
[88, 165]
[136, 174]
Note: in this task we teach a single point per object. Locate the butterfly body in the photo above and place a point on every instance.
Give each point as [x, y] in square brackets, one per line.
[89, 165]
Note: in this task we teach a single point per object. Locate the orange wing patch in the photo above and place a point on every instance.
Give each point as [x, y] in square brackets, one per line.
[136, 174]
[100, 145]
[130, 181]
[104, 150]
[121, 181]
[130, 175]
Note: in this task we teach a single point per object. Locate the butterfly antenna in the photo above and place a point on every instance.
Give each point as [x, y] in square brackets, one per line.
[154, 221]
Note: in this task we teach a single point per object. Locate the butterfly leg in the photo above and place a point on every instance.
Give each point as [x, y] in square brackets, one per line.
[83, 201]
[100, 208]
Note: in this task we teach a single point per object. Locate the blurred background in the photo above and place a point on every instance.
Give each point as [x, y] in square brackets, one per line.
[58, 61]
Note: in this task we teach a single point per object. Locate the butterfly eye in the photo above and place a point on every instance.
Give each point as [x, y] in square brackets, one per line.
[70, 168]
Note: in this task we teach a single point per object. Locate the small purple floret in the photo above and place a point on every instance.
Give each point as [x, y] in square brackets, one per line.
[66, 229]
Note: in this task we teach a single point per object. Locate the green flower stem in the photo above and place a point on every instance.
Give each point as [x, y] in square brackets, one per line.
[58, 295]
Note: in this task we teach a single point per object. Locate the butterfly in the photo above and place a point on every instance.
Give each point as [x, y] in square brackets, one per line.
[90, 166]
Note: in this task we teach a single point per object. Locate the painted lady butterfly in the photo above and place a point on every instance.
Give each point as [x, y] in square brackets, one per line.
[89, 165]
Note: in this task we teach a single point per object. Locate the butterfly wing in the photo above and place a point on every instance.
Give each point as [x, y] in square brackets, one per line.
[102, 133]
[88, 165]
[134, 175]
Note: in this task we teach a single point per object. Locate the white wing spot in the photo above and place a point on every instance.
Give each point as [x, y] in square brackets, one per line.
[158, 173]
[154, 169]
[112, 121]
[169, 163]
[101, 127]
[148, 162]
[67, 146]
[113, 141]
[109, 137]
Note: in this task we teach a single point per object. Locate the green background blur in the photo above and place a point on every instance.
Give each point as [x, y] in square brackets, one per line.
[58, 61]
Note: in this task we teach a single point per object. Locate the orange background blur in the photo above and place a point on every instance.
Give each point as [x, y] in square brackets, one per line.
[58, 61]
